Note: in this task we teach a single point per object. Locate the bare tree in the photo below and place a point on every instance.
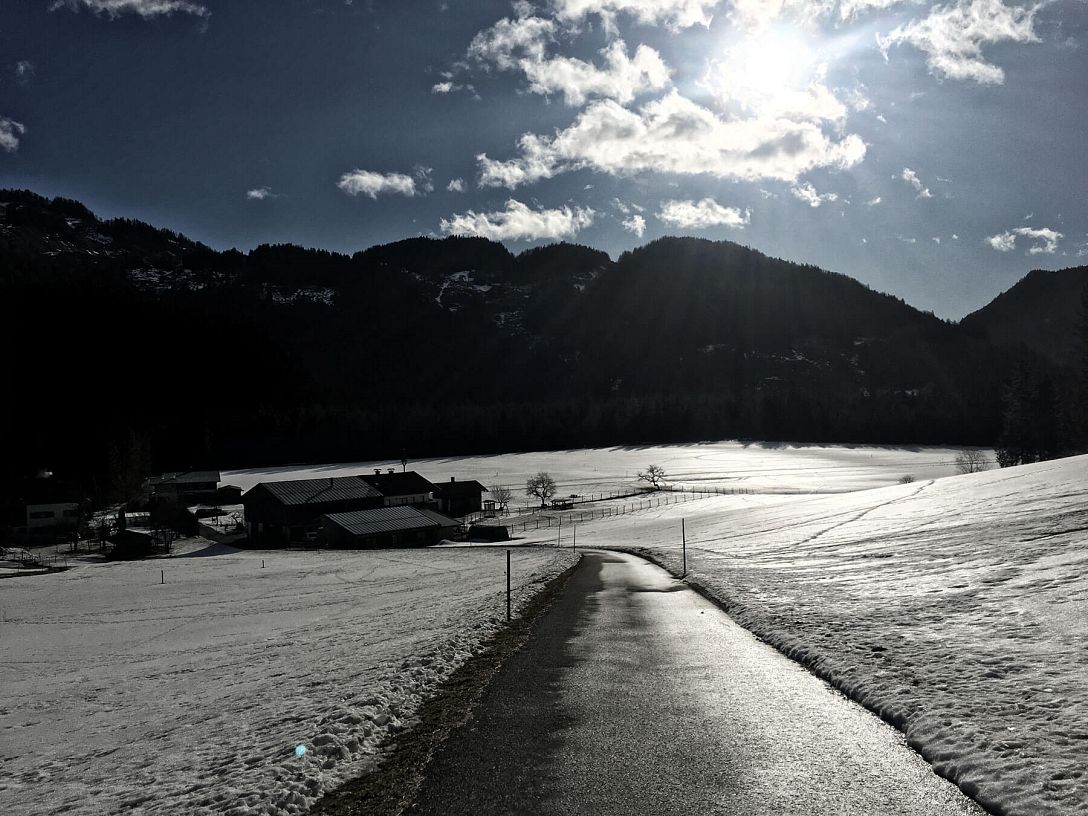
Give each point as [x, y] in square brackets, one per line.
[541, 486]
[971, 461]
[502, 495]
[654, 476]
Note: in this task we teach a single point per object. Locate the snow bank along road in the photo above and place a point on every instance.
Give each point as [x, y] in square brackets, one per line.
[957, 609]
[124, 695]
[637, 696]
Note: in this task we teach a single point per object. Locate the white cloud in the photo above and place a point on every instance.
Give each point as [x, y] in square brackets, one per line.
[636, 224]
[521, 45]
[442, 87]
[1046, 240]
[374, 184]
[260, 194]
[872, 202]
[911, 178]
[702, 214]
[622, 79]
[24, 71]
[672, 13]
[937, 240]
[519, 222]
[143, 8]
[10, 133]
[673, 135]
[456, 185]
[807, 193]
[952, 37]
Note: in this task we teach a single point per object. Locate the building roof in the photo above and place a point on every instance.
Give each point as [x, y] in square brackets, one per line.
[317, 491]
[397, 484]
[388, 520]
[454, 489]
[189, 477]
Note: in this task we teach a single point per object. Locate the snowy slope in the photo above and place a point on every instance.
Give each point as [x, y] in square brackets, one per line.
[123, 694]
[759, 467]
[956, 608]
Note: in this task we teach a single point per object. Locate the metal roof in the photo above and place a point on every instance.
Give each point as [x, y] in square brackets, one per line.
[398, 484]
[388, 520]
[319, 491]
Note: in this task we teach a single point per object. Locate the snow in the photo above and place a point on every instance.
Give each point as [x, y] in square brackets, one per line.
[191, 696]
[957, 609]
[759, 467]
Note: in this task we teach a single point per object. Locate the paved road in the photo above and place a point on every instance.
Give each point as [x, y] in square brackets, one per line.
[637, 696]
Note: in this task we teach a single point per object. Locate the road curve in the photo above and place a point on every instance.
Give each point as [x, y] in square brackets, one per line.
[637, 696]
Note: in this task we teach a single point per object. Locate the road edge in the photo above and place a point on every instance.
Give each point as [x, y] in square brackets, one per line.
[389, 787]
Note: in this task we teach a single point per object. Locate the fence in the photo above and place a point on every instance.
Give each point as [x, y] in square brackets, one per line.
[663, 498]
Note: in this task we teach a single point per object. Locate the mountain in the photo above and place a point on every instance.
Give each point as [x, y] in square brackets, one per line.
[1041, 312]
[126, 343]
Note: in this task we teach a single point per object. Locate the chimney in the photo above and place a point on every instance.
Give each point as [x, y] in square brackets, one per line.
[453, 478]
[377, 471]
[390, 470]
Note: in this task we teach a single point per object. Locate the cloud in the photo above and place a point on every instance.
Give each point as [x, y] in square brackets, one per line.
[807, 193]
[1046, 240]
[24, 71]
[636, 224]
[142, 8]
[673, 13]
[673, 135]
[521, 45]
[872, 202]
[260, 194]
[952, 37]
[374, 184]
[519, 223]
[702, 214]
[911, 178]
[622, 79]
[456, 185]
[10, 133]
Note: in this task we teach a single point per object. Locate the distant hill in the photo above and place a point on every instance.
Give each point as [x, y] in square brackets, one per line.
[118, 336]
[1041, 312]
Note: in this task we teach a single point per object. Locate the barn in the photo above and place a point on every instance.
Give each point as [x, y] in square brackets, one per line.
[283, 513]
[387, 527]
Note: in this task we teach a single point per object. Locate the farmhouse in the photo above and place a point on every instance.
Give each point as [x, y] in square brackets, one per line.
[184, 488]
[387, 527]
[459, 498]
[400, 489]
[283, 513]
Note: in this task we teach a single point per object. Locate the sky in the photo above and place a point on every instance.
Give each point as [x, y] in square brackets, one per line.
[935, 151]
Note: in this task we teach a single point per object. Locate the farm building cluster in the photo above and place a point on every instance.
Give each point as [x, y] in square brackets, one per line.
[379, 509]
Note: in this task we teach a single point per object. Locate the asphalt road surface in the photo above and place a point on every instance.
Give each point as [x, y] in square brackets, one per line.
[637, 696]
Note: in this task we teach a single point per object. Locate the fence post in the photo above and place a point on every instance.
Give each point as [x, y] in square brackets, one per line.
[684, 545]
[508, 585]
[574, 545]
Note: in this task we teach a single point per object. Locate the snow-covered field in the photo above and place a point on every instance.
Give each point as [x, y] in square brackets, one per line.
[956, 608]
[759, 467]
[122, 694]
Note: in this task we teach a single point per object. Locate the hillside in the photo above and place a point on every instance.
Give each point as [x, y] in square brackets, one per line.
[1041, 312]
[952, 607]
[132, 344]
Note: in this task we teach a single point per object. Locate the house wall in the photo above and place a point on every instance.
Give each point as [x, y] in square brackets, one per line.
[55, 516]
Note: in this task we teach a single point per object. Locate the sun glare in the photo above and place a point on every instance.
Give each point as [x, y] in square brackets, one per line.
[764, 67]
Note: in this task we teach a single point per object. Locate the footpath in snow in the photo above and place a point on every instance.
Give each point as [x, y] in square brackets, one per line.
[126, 695]
[957, 609]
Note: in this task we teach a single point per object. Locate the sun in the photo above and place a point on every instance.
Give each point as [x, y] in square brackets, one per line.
[765, 69]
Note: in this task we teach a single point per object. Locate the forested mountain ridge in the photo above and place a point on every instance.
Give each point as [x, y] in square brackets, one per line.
[127, 340]
[1040, 311]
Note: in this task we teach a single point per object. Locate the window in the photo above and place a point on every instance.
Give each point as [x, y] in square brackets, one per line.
[43, 514]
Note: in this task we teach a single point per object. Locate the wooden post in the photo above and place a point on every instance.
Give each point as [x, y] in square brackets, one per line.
[162, 576]
[574, 545]
[559, 538]
[508, 584]
[684, 545]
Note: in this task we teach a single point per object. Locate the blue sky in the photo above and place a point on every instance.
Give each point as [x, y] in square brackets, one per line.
[934, 151]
